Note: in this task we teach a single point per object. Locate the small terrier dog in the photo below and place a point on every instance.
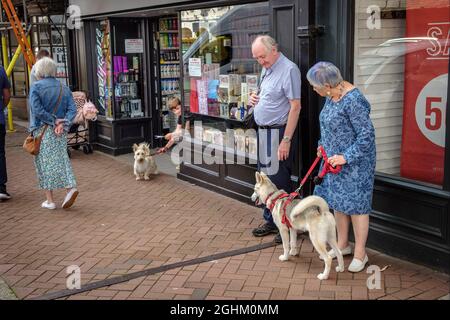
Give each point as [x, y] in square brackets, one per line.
[144, 164]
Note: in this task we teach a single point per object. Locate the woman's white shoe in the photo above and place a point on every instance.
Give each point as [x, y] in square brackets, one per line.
[48, 205]
[358, 265]
[346, 251]
[70, 198]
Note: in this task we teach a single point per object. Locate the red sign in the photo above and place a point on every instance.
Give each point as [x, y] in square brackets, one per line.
[426, 80]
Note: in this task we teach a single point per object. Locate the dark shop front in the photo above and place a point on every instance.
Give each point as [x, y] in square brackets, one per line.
[132, 57]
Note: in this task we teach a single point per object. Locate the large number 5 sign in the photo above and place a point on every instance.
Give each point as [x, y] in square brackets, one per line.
[430, 110]
[433, 110]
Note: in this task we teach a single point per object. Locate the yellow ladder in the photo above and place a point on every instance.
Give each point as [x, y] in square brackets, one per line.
[18, 31]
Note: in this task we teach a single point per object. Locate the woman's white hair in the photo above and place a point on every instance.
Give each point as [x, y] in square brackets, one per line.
[324, 73]
[45, 68]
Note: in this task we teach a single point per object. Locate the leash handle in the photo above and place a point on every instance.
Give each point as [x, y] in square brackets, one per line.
[326, 166]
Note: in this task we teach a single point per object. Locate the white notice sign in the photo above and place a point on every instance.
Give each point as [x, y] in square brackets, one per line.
[195, 67]
[134, 46]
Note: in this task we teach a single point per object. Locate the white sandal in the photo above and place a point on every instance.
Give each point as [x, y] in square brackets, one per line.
[358, 265]
[48, 205]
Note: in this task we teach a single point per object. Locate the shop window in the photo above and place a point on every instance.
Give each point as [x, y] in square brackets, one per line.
[119, 53]
[218, 67]
[401, 66]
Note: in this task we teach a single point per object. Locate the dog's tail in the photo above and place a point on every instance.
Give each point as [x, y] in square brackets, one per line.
[311, 201]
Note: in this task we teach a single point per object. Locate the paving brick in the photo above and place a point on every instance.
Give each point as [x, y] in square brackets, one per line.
[296, 290]
[200, 293]
[279, 294]
[319, 294]
[431, 295]
[238, 294]
[236, 285]
[359, 293]
[404, 294]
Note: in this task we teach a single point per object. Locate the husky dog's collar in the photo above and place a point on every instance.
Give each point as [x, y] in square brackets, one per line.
[282, 195]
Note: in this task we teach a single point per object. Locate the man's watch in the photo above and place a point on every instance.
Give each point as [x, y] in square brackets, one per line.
[286, 139]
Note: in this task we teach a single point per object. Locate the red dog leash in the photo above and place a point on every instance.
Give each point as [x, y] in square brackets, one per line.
[327, 168]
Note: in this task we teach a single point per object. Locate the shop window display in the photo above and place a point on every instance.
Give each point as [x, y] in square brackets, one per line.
[119, 69]
[169, 61]
[219, 71]
[401, 66]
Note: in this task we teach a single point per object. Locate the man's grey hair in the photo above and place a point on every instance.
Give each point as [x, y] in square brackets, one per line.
[45, 68]
[267, 41]
[323, 73]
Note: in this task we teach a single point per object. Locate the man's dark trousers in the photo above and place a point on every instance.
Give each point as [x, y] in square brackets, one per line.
[3, 176]
[281, 178]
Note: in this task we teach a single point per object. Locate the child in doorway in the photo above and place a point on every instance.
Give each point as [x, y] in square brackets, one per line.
[177, 135]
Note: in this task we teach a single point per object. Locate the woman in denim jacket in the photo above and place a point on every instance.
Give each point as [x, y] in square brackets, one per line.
[53, 167]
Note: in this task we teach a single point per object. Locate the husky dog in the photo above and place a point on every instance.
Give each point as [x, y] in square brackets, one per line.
[311, 214]
[144, 164]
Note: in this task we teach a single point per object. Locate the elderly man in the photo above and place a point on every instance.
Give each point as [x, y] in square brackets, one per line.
[277, 109]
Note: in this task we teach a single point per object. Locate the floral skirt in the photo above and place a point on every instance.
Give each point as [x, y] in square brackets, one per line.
[53, 167]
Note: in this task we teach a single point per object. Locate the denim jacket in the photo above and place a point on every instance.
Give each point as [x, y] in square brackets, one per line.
[43, 97]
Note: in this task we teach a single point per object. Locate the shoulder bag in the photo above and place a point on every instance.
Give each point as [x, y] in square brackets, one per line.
[31, 143]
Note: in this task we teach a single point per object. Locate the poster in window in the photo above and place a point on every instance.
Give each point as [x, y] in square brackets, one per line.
[59, 55]
[426, 81]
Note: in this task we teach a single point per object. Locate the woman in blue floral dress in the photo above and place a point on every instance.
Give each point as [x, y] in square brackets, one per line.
[53, 167]
[348, 137]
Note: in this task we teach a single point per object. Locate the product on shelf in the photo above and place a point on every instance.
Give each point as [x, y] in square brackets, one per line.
[233, 111]
[211, 71]
[252, 83]
[252, 145]
[208, 135]
[224, 111]
[213, 108]
[198, 133]
[244, 94]
[239, 138]
[136, 109]
[202, 88]
[136, 63]
[217, 137]
[222, 91]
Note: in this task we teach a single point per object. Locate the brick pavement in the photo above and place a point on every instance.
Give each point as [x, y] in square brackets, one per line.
[119, 226]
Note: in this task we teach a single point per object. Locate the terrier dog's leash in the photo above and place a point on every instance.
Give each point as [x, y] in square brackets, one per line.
[159, 151]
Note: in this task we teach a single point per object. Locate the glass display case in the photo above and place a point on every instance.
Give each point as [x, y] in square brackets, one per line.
[219, 72]
[119, 70]
[169, 67]
[117, 50]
